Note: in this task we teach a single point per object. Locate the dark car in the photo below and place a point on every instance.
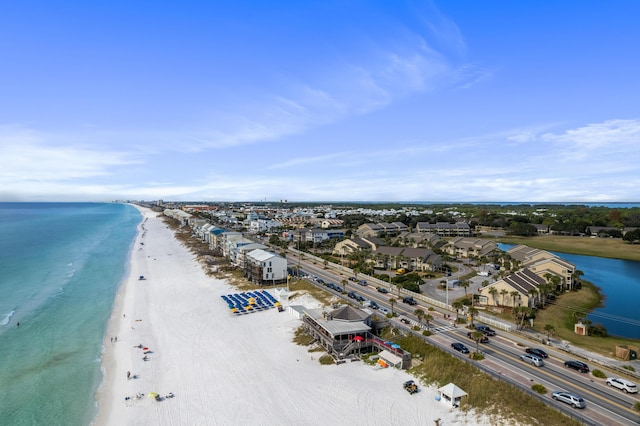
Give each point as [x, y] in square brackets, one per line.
[537, 352]
[460, 347]
[483, 339]
[351, 295]
[360, 298]
[486, 330]
[362, 282]
[352, 278]
[405, 321]
[383, 290]
[577, 365]
[409, 301]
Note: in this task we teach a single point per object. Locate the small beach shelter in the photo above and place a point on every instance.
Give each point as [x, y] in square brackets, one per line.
[451, 394]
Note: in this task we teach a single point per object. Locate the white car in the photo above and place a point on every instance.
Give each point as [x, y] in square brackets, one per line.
[625, 385]
[383, 311]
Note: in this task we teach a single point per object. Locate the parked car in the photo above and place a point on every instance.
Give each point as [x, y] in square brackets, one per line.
[486, 330]
[409, 301]
[569, 398]
[537, 352]
[371, 304]
[383, 290]
[577, 365]
[460, 347]
[625, 385]
[532, 359]
[483, 339]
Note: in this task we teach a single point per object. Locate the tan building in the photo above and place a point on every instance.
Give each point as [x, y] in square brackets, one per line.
[469, 247]
[542, 262]
[514, 290]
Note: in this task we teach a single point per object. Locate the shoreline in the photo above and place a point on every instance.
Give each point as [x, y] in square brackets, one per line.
[222, 369]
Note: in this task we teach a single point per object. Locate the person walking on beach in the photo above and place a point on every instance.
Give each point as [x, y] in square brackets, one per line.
[128, 375]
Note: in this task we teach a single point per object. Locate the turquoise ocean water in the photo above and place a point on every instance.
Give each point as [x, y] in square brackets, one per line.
[60, 267]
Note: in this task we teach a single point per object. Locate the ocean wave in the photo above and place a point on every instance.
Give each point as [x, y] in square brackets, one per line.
[7, 318]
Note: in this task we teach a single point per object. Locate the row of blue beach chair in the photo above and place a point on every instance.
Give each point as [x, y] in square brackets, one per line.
[243, 303]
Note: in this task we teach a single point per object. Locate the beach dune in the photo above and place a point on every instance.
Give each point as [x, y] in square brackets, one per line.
[223, 369]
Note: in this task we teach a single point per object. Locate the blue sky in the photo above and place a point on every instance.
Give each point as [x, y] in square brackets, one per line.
[320, 100]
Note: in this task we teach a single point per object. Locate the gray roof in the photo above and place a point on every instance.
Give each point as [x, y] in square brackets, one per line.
[337, 327]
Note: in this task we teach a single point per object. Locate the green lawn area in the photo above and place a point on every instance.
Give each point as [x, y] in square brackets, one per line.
[602, 247]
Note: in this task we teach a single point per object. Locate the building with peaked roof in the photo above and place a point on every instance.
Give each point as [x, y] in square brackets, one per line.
[518, 289]
[543, 262]
[346, 331]
[446, 229]
[469, 247]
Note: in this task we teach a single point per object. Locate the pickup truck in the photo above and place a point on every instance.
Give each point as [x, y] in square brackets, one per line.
[409, 301]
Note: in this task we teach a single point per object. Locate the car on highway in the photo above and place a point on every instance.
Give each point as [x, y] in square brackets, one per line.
[483, 339]
[577, 365]
[370, 304]
[625, 385]
[383, 290]
[532, 359]
[352, 278]
[351, 295]
[486, 330]
[537, 352]
[360, 298]
[384, 311]
[362, 282]
[405, 321]
[460, 347]
[569, 398]
[409, 301]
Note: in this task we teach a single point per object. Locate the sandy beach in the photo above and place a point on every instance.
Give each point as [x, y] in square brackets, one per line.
[224, 369]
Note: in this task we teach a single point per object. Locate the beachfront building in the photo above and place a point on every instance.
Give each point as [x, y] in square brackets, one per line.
[346, 332]
[517, 289]
[265, 268]
[179, 215]
[409, 258]
[264, 225]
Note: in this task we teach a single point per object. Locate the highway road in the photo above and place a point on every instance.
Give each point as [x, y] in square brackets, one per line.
[605, 405]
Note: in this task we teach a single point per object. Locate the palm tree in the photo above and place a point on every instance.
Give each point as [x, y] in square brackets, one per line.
[392, 302]
[344, 285]
[503, 293]
[473, 313]
[428, 318]
[549, 330]
[419, 313]
[457, 305]
[477, 336]
[493, 292]
[514, 294]
[465, 284]
[533, 292]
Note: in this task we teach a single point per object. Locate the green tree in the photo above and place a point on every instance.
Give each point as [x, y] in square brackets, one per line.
[344, 285]
[465, 284]
[494, 292]
[457, 305]
[392, 302]
[503, 293]
[419, 313]
[476, 336]
[473, 313]
[549, 330]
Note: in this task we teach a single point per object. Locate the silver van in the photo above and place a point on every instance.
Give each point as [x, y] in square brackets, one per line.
[532, 359]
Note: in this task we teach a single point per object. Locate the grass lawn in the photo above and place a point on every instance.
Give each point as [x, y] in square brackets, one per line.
[602, 247]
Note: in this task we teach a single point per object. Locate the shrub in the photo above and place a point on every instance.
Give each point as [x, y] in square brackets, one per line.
[476, 356]
[539, 388]
[326, 360]
[431, 308]
[628, 367]
[599, 374]
[426, 333]
[636, 406]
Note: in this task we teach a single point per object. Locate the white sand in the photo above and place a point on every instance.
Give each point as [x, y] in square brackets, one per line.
[226, 369]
